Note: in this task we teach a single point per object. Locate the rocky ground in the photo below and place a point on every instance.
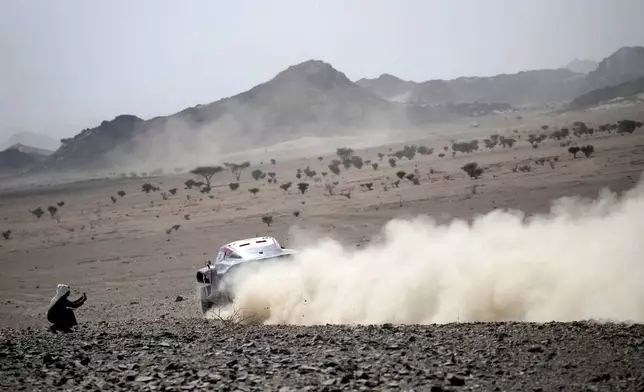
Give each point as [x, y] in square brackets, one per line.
[194, 354]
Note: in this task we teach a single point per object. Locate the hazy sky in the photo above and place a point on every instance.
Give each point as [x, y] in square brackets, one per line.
[69, 64]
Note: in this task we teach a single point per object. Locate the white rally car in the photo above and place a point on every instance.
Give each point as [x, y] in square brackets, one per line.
[215, 281]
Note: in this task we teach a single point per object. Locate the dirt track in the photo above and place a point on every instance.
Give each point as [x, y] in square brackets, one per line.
[197, 355]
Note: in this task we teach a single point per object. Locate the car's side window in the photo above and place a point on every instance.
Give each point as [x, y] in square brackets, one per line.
[234, 256]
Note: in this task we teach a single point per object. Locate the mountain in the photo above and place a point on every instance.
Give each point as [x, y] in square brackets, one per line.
[307, 99]
[19, 157]
[33, 139]
[582, 66]
[596, 97]
[528, 87]
[625, 64]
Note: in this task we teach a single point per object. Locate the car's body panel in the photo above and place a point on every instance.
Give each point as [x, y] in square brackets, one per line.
[214, 279]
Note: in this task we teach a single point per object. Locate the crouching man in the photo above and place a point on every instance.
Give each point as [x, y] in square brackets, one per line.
[60, 312]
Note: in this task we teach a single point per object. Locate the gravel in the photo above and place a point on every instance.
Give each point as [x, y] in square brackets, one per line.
[196, 354]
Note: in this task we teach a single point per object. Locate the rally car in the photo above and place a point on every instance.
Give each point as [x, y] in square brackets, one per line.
[215, 281]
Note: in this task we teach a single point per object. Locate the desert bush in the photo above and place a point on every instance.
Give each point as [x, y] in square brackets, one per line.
[320, 159]
[257, 174]
[147, 187]
[177, 170]
[189, 183]
[272, 176]
[205, 189]
[273, 162]
[6, 234]
[357, 162]
[335, 168]
[164, 195]
[627, 126]
[60, 203]
[233, 186]
[237, 168]
[344, 153]
[121, 193]
[267, 219]
[156, 172]
[298, 173]
[374, 165]
[186, 216]
[441, 155]
[38, 212]
[285, 186]
[173, 191]
[413, 178]
[329, 187]
[392, 162]
[396, 184]
[380, 156]
[369, 185]
[560, 134]
[309, 173]
[296, 214]
[423, 150]
[466, 147]
[113, 199]
[199, 184]
[303, 186]
[507, 142]
[324, 174]
[144, 174]
[253, 191]
[52, 211]
[346, 193]
[400, 174]
[574, 150]
[587, 150]
[206, 172]
[473, 170]
[523, 168]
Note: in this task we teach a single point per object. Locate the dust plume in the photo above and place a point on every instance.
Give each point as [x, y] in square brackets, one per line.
[582, 260]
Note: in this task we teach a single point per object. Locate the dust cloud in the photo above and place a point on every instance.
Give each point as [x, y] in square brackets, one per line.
[582, 260]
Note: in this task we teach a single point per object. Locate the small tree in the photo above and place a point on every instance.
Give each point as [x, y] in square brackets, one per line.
[113, 199]
[147, 187]
[369, 185]
[344, 153]
[267, 219]
[574, 150]
[233, 186]
[303, 186]
[357, 162]
[52, 211]
[335, 169]
[173, 191]
[473, 170]
[6, 234]
[253, 191]
[61, 203]
[392, 162]
[400, 174]
[121, 193]
[285, 186]
[588, 150]
[38, 212]
[206, 172]
[189, 183]
[309, 173]
[257, 174]
[375, 165]
[296, 214]
[205, 189]
[380, 156]
[237, 168]
[273, 162]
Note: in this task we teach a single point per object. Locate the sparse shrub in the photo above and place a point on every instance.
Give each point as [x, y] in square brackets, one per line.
[205, 189]
[147, 187]
[303, 186]
[38, 212]
[375, 165]
[346, 193]
[186, 216]
[233, 186]
[298, 173]
[560, 134]
[164, 195]
[396, 184]
[320, 159]
[329, 187]
[441, 155]
[113, 199]
[344, 153]
[272, 176]
[296, 214]
[121, 193]
[524, 168]
[52, 210]
[466, 147]
[369, 185]
[285, 186]
[144, 174]
[178, 170]
[587, 150]
[253, 191]
[401, 174]
[273, 162]
[189, 183]
[156, 172]
[173, 191]
[267, 219]
[507, 142]
[133, 174]
[574, 150]
[206, 172]
[61, 203]
[380, 156]
[627, 126]
[392, 162]
[199, 184]
[324, 174]
[473, 170]
[6, 234]
[176, 227]
[413, 178]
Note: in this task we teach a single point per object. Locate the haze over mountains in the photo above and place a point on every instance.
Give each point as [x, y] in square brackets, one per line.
[315, 99]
